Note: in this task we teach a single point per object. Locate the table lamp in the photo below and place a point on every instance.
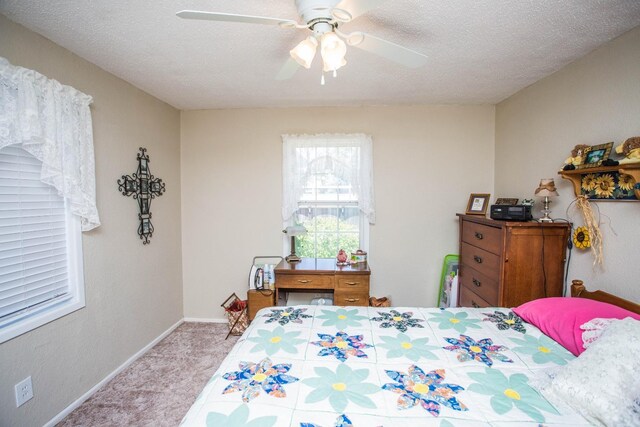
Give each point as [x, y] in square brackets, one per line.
[293, 231]
[546, 189]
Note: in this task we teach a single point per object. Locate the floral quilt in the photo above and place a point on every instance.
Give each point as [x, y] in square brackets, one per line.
[312, 366]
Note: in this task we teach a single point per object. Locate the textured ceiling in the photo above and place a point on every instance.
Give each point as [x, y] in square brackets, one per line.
[480, 51]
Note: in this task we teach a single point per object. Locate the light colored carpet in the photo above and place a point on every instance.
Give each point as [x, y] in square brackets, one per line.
[159, 387]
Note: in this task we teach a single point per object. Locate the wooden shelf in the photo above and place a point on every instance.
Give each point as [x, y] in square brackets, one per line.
[575, 175]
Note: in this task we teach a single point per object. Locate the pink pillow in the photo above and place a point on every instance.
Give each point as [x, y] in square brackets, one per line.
[560, 318]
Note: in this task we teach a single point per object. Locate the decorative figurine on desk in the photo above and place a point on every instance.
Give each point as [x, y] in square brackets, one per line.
[342, 258]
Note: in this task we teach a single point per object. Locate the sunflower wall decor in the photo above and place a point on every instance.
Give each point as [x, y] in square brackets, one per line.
[608, 186]
[581, 239]
[591, 229]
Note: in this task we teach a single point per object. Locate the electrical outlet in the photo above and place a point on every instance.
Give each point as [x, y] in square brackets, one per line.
[24, 391]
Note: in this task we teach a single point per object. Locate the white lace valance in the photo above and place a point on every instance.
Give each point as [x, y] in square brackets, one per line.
[346, 156]
[53, 123]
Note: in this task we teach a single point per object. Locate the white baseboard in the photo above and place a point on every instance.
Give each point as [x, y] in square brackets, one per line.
[66, 411]
[205, 320]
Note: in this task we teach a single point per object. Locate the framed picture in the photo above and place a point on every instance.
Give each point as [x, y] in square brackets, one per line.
[478, 204]
[506, 201]
[595, 155]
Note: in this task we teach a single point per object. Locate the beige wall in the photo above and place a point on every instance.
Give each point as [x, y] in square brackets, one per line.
[133, 293]
[591, 101]
[427, 160]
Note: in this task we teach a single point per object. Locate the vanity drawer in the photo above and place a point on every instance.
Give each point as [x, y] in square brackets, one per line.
[353, 283]
[470, 299]
[309, 281]
[482, 236]
[346, 297]
[481, 284]
[480, 260]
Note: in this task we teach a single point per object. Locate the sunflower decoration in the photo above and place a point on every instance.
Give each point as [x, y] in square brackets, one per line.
[604, 186]
[581, 238]
[625, 182]
[589, 182]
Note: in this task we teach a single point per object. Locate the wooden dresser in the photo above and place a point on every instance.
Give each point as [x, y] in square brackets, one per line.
[349, 284]
[507, 263]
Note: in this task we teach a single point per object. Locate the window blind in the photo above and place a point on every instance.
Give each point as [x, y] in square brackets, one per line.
[33, 239]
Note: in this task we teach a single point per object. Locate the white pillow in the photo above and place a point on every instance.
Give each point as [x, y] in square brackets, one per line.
[593, 329]
[603, 383]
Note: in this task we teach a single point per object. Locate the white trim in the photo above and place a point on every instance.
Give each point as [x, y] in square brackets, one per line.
[66, 411]
[205, 320]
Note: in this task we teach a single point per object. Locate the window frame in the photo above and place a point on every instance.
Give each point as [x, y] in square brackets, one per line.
[30, 319]
[357, 168]
[363, 223]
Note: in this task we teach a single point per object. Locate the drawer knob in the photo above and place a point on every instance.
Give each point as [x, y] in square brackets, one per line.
[474, 304]
[477, 259]
[477, 282]
[352, 299]
[304, 281]
[351, 283]
[479, 235]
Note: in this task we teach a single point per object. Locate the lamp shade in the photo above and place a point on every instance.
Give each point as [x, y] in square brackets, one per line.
[305, 51]
[295, 230]
[332, 49]
[547, 188]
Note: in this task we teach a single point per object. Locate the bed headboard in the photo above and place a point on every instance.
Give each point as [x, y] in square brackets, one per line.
[578, 290]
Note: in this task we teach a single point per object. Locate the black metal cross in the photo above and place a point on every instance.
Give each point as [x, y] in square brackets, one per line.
[143, 187]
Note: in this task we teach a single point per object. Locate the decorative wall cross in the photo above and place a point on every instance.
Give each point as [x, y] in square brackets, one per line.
[144, 187]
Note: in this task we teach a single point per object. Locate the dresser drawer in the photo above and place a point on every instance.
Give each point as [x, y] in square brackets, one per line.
[486, 287]
[471, 299]
[346, 297]
[353, 283]
[292, 281]
[482, 236]
[480, 260]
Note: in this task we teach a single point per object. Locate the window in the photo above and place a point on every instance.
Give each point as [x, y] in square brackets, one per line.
[328, 188]
[41, 276]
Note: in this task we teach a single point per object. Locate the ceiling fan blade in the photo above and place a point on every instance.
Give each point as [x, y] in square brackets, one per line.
[288, 70]
[358, 7]
[231, 17]
[386, 49]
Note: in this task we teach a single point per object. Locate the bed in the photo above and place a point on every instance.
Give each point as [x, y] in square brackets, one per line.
[326, 366]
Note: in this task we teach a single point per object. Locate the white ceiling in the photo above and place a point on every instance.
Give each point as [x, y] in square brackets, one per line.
[480, 51]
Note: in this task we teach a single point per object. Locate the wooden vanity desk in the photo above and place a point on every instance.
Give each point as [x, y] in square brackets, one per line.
[349, 284]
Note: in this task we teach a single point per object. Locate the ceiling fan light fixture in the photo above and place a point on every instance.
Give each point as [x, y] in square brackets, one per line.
[305, 51]
[333, 50]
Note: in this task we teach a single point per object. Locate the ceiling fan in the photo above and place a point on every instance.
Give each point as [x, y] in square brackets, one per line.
[322, 18]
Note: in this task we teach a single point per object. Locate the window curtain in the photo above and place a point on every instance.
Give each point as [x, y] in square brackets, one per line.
[349, 156]
[52, 122]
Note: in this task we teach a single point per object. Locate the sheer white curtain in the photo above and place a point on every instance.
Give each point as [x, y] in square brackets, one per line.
[52, 122]
[348, 156]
